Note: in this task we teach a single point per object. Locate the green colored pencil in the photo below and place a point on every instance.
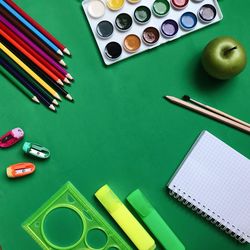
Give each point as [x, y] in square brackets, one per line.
[18, 85]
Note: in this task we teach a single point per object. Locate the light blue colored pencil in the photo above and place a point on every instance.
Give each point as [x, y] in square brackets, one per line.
[31, 27]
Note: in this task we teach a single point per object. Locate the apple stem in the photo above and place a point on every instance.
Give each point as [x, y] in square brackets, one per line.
[229, 50]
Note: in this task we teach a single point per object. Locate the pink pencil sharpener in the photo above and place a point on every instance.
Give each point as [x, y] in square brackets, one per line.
[11, 138]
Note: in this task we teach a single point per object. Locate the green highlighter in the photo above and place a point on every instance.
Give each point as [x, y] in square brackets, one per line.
[154, 221]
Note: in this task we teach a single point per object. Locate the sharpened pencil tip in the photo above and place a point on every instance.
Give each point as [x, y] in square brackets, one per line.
[55, 102]
[67, 80]
[66, 51]
[62, 63]
[52, 107]
[58, 97]
[35, 99]
[69, 97]
[60, 52]
[69, 76]
[60, 82]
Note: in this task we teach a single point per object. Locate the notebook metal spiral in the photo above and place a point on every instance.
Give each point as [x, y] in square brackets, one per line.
[204, 212]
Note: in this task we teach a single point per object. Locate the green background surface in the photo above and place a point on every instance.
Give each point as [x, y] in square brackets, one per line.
[120, 130]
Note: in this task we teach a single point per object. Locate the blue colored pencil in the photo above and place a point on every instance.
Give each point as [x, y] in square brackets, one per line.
[26, 83]
[31, 27]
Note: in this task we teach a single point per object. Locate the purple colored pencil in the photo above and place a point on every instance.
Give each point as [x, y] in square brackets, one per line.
[24, 82]
[33, 45]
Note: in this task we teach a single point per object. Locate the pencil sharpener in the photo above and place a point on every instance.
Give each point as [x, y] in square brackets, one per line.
[36, 150]
[20, 170]
[11, 138]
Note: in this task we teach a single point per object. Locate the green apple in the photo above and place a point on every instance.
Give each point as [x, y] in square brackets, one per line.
[224, 57]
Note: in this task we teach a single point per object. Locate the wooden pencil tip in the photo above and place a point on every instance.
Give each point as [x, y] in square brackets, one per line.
[35, 99]
[52, 107]
[67, 80]
[58, 97]
[60, 82]
[60, 52]
[66, 51]
[55, 102]
[62, 63]
[69, 97]
[69, 76]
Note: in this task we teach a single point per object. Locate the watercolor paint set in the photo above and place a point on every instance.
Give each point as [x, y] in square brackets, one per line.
[123, 28]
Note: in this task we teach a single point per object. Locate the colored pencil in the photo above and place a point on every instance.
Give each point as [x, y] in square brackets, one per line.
[27, 84]
[26, 43]
[38, 26]
[208, 113]
[32, 58]
[32, 37]
[29, 71]
[47, 96]
[24, 81]
[17, 82]
[31, 27]
[38, 71]
[188, 99]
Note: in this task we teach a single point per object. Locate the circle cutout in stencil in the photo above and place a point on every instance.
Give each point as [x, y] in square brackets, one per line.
[96, 238]
[63, 227]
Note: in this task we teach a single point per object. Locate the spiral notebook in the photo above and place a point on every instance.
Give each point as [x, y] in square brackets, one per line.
[214, 181]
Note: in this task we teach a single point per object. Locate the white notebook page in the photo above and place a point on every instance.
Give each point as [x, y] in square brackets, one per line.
[216, 178]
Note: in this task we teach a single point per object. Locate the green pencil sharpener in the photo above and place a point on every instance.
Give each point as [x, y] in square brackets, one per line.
[36, 150]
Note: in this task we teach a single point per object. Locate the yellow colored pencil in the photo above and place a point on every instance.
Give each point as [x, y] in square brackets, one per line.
[30, 71]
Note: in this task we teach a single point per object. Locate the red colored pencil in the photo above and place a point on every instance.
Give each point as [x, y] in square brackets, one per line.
[38, 26]
[32, 52]
[32, 58]
[30, 34]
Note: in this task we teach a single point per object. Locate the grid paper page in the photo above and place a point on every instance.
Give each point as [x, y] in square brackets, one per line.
[216, 178]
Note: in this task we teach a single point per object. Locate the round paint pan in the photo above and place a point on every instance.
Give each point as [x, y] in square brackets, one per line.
[104, 29]
[169, 28]
[115, 4]
[96, 8]
[131, 43]
[160, 8]
[123, 22]
[113, 50]
[179, 4]
[133, 1]
[207, 13]
[142, 14]
[188, 21]
[150, 36]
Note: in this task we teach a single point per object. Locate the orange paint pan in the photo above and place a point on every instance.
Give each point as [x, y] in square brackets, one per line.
[20, 169]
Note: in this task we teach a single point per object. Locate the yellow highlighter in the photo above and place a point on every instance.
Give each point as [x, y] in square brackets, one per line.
[137, 234]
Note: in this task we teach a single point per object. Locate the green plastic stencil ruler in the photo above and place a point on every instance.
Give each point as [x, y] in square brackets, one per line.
[68, 221]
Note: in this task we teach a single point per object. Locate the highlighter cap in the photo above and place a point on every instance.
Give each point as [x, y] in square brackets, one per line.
[108, 198]
[140, 203]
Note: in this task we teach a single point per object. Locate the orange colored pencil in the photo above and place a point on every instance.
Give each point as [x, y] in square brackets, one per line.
[33, 52]
[32, 58]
